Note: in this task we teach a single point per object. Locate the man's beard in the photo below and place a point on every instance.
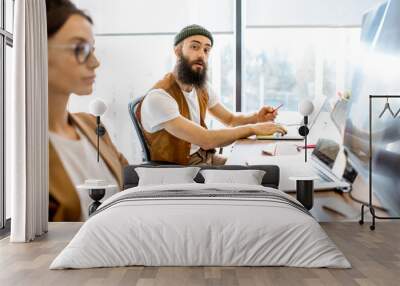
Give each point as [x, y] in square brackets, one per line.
[189, 76]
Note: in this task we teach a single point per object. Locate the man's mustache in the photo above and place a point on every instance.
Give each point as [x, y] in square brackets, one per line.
[201, 62]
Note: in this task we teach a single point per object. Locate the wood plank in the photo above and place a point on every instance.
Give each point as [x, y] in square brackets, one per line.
[375, 257]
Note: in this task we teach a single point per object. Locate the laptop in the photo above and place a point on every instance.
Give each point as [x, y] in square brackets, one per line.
[293, 120]
[322, 162]
[323, 158]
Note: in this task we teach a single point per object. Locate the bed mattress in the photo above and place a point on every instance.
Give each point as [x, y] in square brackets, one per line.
[201, 225]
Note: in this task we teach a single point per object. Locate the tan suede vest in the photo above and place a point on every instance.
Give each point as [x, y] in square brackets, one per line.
[163, 145]
[64, 204]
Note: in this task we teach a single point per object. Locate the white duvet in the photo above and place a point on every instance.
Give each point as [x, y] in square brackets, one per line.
[183, 231]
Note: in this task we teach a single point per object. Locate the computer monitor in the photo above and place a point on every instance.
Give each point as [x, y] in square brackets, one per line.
[377, 74]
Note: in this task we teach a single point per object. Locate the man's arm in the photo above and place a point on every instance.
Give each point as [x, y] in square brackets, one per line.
[208, 139]
[228, 118]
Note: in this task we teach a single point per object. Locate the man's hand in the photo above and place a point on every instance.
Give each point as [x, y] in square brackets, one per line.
[268, 128]
[266, 113]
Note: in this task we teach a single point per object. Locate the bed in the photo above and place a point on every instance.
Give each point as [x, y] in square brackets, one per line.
[198, 224]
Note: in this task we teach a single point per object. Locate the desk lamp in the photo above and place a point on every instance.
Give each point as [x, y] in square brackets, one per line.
[305, 184]
[97, 188]
[97, 107]
[306, 107]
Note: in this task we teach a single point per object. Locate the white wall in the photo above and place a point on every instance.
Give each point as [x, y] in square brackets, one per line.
[151, 16]
[125, 73]
[132, 64]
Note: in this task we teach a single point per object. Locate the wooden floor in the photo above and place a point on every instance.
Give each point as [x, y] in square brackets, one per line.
[374, 255]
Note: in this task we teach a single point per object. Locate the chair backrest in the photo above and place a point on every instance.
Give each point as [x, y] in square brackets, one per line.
[132, 112]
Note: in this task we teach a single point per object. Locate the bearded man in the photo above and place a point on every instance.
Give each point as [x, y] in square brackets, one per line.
[172, 113]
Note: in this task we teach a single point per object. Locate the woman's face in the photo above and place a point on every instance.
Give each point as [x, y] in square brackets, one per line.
[72, 63]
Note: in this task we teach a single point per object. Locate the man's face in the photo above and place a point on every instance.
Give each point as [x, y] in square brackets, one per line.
[193, 55]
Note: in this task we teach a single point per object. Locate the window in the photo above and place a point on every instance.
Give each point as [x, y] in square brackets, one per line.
[299, 49]
[6, 42]
[286, 65]
[9, 15]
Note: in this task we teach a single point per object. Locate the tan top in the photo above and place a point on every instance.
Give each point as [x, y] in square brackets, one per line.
[64, 203]
[164, 146]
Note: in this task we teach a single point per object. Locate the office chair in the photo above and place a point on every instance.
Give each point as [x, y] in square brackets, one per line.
[145, 149]
[132, 109]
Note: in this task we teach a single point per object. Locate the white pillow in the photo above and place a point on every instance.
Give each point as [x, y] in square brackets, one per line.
[166, 176]
[248, 177]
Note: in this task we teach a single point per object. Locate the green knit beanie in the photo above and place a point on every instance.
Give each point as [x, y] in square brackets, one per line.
[192, 30]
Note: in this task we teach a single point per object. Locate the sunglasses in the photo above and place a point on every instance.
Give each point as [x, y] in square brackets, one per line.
[82, 50]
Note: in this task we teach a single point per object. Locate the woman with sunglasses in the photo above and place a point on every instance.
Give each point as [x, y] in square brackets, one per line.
[72, 146]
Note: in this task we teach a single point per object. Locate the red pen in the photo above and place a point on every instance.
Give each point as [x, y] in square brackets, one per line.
[309, 146]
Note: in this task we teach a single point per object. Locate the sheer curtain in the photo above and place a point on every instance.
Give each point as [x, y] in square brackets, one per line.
[27, 123]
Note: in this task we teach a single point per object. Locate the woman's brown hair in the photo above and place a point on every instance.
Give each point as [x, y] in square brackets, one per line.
[58, 12]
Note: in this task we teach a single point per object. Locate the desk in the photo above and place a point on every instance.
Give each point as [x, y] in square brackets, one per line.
[290, 161]
[328, 205]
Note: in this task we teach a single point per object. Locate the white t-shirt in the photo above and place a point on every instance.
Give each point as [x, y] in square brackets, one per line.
[79, 158]
[159, 107]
